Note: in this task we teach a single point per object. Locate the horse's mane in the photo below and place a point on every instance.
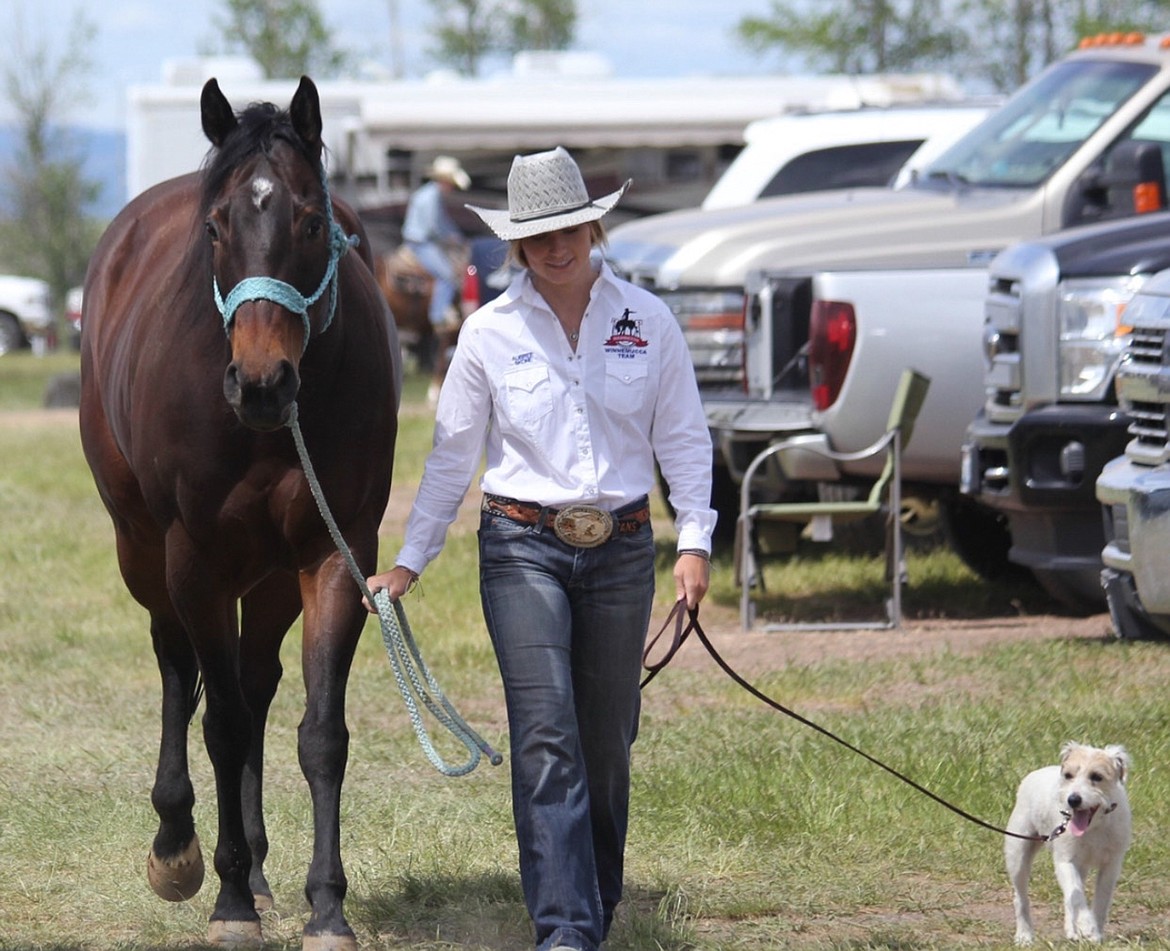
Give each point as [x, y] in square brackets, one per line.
[261, 125]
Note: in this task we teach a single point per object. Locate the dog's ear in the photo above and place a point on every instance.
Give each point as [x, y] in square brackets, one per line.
[1067, 750]
[1120, 756]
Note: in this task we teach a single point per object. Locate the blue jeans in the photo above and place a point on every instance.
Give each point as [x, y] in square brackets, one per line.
[568, 626]
[435, 260]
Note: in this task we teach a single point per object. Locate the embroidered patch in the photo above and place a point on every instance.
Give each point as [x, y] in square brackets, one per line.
[522, 358]
[626, 333]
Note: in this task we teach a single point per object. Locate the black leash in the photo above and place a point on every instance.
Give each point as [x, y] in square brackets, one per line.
[680, 635]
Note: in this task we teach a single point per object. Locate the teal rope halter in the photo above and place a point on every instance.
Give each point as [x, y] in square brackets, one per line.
[281, 292]
[411, 673]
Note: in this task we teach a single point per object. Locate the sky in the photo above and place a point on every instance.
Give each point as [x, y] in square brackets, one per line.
[640, 38]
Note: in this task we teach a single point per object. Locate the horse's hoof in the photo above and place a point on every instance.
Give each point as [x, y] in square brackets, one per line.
[329, 942]
[234, 933]
[178, 878]
[263, 902]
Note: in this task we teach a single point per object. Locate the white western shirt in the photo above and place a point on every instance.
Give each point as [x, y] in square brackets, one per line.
[562, 427]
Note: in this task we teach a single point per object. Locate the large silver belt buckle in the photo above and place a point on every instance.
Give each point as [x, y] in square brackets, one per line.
[583, 526]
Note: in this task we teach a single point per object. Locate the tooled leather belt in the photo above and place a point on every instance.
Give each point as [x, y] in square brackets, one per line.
[583, 526]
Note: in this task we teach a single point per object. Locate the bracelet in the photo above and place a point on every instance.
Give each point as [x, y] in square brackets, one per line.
[706, 556]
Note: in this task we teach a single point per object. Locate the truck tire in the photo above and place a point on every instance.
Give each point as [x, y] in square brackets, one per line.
[11, 336]
[1078, 591]
[1130, 619]
[980, 537]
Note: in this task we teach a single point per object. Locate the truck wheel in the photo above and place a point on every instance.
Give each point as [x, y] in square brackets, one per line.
[980, 537]
[11, 336]
[1079, 591]
[1130, 619]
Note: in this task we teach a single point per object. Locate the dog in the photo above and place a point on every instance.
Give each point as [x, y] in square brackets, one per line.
[1082, 807]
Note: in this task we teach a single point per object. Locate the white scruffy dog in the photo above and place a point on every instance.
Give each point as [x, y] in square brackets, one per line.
[1082, 804]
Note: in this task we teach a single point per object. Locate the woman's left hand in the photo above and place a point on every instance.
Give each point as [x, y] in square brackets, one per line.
[692, 577]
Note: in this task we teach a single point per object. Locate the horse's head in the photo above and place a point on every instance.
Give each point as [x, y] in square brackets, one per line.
[274, 245]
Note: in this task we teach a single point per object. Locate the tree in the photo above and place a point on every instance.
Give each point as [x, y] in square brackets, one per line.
[465, 34]
[540, 25]
[288, 38]
[48, 234]
[467, 31]
[857, 36]
[1003, 42]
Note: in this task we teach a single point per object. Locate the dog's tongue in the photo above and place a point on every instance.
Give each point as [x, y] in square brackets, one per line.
[1079, 824]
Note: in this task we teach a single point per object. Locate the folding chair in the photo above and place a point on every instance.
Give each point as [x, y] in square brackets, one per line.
[884, 497]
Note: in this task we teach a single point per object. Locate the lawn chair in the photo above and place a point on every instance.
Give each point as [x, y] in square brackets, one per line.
[884, 497]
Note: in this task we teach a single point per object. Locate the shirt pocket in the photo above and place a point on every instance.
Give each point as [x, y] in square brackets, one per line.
[625, 385]
[528, 395]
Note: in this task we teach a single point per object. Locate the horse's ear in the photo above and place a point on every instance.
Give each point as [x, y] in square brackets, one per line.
[218, 118]
[306, 113]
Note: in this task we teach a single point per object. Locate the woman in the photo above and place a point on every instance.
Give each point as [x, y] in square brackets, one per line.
[575, 382]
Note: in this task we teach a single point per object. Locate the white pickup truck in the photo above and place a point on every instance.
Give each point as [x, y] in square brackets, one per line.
[848, 288]
[26, 312]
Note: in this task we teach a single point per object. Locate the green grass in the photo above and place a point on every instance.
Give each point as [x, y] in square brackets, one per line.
[749, 830]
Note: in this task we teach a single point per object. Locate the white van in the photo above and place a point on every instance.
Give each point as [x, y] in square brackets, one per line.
[815, 151]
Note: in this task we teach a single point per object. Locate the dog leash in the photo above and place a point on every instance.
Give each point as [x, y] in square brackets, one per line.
[679, 636]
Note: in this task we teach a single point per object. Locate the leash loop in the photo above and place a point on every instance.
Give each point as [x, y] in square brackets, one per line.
[415, 681]
[680, 635]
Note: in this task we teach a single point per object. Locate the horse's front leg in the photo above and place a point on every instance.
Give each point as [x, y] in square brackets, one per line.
[174, 867]
[267, 612]
[333, 623]
[209, 615]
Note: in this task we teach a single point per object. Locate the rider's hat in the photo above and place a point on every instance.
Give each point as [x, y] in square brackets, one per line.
[545, 193]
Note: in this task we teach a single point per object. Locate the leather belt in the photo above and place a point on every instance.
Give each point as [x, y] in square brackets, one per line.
[582, 526]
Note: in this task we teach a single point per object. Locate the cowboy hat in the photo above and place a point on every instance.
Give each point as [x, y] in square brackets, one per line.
[545, 193]
[448, 168]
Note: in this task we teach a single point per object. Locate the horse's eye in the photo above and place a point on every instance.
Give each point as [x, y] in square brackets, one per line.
[314, 226]
[212, 231]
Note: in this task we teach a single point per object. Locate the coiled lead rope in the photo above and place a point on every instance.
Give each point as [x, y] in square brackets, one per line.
[414, 678]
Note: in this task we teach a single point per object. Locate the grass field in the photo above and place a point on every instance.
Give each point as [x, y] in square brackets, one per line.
[749, 830]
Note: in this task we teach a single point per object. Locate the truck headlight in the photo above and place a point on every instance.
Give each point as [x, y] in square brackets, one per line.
[1092, 333]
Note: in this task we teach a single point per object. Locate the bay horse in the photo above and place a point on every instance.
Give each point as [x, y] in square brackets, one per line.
[217, 533]
[407, 287]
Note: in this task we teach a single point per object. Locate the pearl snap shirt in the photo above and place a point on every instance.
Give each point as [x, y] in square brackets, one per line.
[562, 427]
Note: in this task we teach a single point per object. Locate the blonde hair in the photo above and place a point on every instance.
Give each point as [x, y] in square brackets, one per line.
[516, 257]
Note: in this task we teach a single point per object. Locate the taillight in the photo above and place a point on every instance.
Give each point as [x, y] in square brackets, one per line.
[469, 298]
[832, 333]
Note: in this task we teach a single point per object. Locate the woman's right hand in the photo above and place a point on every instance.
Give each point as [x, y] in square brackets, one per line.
[395, 582]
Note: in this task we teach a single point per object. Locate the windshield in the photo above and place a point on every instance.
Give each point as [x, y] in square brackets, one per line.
[1036, 131]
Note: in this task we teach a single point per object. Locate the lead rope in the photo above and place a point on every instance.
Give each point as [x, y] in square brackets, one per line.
[413, 676]
[680, 635]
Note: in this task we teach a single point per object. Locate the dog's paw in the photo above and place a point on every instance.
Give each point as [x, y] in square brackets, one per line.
[1024, 938]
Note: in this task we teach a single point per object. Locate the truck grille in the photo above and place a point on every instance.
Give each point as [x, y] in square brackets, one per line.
[1001, 340]
[1145, 345]
[1148, 423]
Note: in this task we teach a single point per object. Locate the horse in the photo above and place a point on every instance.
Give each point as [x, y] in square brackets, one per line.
[407, 287]
[219, 307]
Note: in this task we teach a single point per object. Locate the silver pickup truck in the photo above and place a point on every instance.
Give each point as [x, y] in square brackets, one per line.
[851, 287]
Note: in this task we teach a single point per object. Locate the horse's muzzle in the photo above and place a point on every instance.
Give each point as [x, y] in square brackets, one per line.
[262, 401]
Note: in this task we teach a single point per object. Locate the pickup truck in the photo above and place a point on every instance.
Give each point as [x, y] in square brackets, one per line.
[871, 281]
[1134, 488]
[1055, 327]
[26, 312]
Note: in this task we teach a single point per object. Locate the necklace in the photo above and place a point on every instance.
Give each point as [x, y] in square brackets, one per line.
[574, 335]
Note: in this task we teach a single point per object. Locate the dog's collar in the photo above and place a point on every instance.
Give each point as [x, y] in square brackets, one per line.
[1063, 827]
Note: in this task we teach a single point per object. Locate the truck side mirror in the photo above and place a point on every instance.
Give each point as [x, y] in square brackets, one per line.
[1134, 179]
[1130, 181]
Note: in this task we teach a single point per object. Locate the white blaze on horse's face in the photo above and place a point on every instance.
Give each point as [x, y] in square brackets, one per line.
[261, 191]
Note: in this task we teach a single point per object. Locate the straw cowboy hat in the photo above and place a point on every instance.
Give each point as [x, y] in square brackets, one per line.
[448, 169]
[545, 193]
